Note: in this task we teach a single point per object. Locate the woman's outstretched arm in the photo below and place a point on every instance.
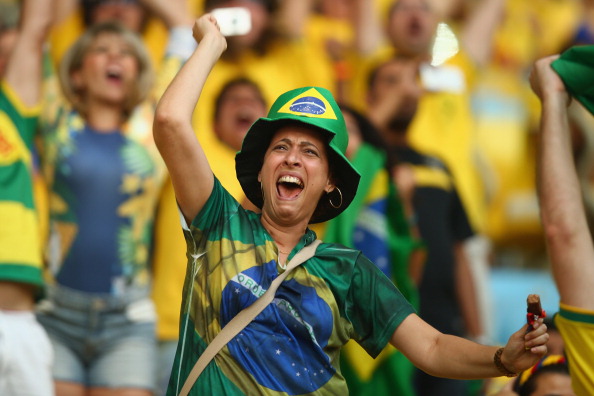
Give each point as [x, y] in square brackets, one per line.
[448, 356]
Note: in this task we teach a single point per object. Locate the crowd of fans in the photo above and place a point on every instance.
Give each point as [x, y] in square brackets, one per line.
[443, 127]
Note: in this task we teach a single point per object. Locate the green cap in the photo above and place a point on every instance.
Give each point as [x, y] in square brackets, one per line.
[575, 66]
[310, 106]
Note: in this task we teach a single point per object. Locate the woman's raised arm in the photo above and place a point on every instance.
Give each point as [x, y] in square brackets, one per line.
[188, 167]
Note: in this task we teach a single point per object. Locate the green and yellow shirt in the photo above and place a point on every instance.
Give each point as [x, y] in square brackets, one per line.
[293, 346]
[20, 251]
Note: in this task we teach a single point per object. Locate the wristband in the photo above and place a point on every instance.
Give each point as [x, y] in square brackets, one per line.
[502, 369]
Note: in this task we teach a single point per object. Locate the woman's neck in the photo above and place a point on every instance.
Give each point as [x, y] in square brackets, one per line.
[285, 237]
[104, 117]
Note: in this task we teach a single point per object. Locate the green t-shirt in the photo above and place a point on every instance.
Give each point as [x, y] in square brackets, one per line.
[293, 346]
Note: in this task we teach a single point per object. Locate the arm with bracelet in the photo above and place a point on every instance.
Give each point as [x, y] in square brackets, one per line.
[444, 355]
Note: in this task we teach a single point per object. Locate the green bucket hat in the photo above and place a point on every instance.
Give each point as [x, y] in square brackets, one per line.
[314, 107]
[575, 66]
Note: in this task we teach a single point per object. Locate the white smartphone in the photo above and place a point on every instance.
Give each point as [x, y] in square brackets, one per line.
[233, 21]
[442, 78]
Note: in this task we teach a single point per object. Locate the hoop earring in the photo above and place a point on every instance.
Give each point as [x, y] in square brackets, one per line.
[332, 203]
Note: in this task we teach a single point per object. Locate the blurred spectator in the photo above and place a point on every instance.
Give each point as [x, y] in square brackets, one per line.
[26, 354]
[447, 289]
[444, 125]
[97, 314]
[237, 107]
[104, 175]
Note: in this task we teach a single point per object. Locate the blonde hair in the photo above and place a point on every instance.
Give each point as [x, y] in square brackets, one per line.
[73, 59]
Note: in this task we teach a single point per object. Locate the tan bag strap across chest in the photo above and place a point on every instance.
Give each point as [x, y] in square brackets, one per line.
[244, 317]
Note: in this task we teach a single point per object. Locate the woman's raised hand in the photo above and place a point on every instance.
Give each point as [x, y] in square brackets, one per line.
[207, 26]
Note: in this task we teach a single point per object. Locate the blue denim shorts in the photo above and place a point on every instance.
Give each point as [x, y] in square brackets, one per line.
[100, 340]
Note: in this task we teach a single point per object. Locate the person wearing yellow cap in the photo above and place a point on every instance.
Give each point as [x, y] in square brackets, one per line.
[293, 167]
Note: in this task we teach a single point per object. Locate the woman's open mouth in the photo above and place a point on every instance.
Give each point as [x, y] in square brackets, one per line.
[114, 76]
[289, 187]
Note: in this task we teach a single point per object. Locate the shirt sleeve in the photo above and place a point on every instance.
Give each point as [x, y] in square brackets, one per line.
[217, 209]
[375, 307]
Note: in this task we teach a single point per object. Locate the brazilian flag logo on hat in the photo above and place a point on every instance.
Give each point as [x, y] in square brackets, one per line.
[310, 106]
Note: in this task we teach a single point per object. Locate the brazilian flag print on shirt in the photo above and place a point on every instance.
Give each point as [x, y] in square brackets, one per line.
[293, 346]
